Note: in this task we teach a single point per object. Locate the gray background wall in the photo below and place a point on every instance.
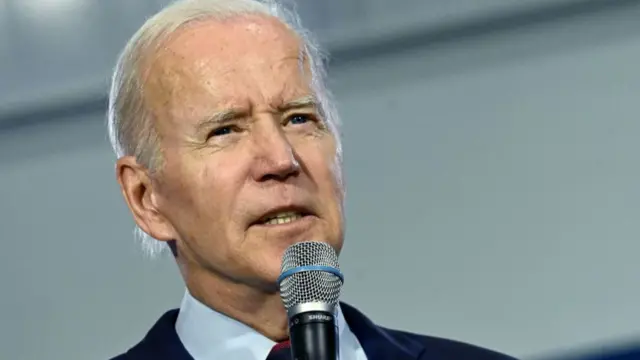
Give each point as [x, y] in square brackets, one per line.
[491, 163]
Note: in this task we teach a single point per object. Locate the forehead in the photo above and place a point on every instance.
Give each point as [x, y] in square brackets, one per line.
[241, 35]
[235, 62]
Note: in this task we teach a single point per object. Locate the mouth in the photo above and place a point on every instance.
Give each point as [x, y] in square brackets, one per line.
[280, 217]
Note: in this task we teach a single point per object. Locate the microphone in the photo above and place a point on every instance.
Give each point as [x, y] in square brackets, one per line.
[310, 284]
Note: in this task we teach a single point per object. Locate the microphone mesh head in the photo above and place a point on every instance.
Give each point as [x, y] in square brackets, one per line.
[310, 286]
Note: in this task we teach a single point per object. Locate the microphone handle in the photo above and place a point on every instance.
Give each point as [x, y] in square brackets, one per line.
[313, 336]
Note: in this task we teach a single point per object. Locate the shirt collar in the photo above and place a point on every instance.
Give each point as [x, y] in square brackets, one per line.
[207, 334]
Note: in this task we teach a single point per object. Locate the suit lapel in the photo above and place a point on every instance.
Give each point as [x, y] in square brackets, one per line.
[162, 341]
[377, 342]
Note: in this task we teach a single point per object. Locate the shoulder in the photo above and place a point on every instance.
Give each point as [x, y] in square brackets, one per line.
[161, 342]
[400, 344]
[436, 347]
[120, 357]
[447, 348]
[611, 352]
[135, 353]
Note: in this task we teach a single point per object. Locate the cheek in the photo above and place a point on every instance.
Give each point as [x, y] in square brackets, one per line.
[217, 183]
[325, 168]
[221, 192]
[333, 163]
[199, 190]
[182, 202]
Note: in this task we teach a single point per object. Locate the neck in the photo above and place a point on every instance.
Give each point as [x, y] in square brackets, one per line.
[257, 308]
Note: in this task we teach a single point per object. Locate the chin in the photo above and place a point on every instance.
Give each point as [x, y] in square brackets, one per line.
[268, 281]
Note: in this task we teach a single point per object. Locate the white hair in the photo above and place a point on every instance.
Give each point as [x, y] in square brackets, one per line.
[131, 127]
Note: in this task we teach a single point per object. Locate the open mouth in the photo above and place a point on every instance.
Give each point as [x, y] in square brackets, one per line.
[282, 218]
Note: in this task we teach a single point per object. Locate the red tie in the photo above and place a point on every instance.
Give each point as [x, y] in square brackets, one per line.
[280, 351]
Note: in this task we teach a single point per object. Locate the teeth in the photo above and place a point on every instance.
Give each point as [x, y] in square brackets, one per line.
[283, 218]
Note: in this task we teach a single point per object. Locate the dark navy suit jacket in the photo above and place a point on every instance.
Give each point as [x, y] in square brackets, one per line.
[607, 353]
[162, 343]
[626, 354]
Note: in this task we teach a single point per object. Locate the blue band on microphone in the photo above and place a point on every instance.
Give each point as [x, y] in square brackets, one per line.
[298, 269]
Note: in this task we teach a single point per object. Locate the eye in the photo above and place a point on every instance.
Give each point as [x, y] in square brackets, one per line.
[299, 119]
[221, 131]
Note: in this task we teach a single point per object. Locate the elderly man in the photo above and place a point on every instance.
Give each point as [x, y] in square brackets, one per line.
[228, 153]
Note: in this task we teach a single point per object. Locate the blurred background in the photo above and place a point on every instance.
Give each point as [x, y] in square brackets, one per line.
[491, 157]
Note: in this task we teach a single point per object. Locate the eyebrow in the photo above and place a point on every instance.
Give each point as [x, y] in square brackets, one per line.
[308, 101]
[219, 118]
[227, 115]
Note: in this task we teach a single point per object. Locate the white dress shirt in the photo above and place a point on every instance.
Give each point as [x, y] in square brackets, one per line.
[210, 335]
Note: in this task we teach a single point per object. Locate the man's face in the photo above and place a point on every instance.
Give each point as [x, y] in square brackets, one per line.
[250, 166]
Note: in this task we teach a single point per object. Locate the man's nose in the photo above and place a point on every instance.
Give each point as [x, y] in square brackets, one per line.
[275, 157]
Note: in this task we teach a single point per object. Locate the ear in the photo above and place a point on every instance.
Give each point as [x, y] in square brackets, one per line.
[138, 192]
